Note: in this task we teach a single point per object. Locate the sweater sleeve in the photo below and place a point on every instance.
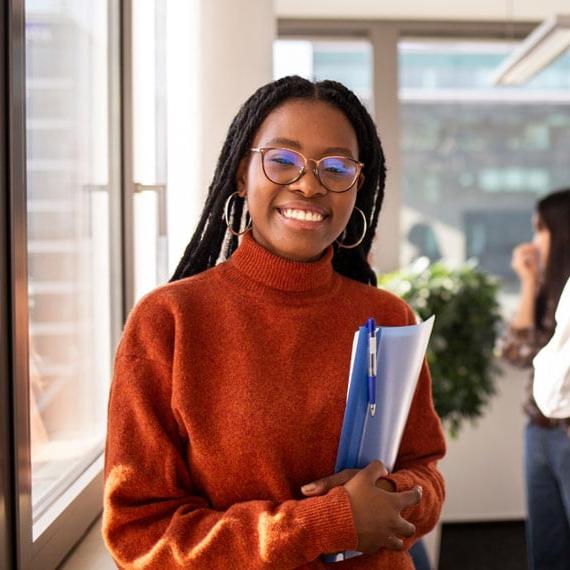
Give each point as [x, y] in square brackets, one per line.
[422, 445]
[154, 514]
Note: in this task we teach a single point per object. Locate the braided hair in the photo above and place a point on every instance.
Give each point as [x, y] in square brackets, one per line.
[211, 240]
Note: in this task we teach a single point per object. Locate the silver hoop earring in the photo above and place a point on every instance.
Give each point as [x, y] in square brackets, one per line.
[351, 246]
[227, 217]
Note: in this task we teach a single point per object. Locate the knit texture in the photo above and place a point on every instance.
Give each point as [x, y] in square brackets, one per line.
[228, 395]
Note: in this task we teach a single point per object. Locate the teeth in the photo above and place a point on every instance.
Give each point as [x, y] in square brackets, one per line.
[302, 215]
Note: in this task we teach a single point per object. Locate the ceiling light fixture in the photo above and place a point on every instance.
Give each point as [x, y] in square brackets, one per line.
[547, 42]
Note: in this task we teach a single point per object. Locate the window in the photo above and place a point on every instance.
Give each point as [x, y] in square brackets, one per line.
[475, 157]
[74, 289]
[347, 61]
[149, 145]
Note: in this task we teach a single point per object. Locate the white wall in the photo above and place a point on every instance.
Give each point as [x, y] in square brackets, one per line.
[219, 53]
[483, 467]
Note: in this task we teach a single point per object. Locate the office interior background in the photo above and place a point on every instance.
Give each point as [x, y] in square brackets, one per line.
[112, 117]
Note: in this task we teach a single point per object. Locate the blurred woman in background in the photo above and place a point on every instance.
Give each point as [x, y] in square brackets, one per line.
[543, 267]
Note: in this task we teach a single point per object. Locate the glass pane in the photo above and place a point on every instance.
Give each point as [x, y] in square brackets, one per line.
[69, 185]
[347, 61]
[476, 157]
[149, 144]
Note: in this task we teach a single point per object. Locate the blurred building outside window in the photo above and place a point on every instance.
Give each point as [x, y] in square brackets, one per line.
[475, 157]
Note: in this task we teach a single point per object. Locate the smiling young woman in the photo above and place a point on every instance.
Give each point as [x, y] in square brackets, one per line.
[230, 382]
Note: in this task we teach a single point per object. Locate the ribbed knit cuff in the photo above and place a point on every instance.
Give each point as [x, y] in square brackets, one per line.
[328, 520]
[402, 481]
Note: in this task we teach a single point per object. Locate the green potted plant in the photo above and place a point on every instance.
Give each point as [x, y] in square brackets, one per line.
[461, 349]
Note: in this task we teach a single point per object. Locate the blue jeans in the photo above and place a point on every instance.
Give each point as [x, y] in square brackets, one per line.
[419, 556]
[547, 465]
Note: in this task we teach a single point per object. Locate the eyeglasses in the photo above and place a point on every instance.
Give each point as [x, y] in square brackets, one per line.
[284, 166]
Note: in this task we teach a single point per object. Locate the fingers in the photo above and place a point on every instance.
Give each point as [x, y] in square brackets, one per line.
[386, 484]
[525, 258]
[393, 543]
[374, 470]
[404, 528]
[325, 484]
[410, 498]
[525, 248]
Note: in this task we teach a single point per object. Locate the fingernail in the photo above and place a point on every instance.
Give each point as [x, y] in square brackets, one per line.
[308, 488]
[421, 490]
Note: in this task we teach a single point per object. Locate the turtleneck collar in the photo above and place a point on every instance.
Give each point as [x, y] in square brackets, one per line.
[264, 267]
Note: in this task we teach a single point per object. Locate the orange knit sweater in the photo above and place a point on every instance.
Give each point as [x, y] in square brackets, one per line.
[228, 395]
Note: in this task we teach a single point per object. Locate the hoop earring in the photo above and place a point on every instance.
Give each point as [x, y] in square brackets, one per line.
[351, 246]
[227, 217]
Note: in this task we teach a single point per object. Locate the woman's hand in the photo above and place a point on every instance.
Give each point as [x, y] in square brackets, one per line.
[375, 506]
[525, 263]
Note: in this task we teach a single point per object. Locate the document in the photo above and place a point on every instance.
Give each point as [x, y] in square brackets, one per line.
[366, 437]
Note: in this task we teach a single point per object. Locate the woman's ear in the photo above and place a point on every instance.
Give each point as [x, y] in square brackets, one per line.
[360, 182]
[241, 177]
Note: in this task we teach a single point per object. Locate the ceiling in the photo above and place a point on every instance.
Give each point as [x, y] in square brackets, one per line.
[512, 11]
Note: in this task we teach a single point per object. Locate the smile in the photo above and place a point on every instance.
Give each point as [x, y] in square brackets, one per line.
[302, 215]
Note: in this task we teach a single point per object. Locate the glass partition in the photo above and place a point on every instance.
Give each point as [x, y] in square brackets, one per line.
[71, 179]
[149, 135]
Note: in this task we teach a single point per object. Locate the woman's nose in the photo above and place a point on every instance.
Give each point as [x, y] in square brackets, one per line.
[309, 183]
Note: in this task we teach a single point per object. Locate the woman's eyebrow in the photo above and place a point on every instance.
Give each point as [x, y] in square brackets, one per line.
[297, 145]
[337, 150]
[284, 141]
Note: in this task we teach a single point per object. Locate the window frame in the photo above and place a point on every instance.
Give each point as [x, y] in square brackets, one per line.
[72, 513]
[7, 85]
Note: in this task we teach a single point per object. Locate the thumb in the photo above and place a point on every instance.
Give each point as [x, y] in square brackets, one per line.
[410, 498]
[327, 483]
[374, 470]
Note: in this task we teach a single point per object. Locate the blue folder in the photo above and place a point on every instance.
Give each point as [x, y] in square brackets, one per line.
[364, 438]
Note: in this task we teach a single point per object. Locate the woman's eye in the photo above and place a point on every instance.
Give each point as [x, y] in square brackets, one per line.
[282, 160]
[335, 170]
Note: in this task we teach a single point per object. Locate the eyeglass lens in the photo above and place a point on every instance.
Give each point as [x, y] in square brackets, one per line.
[283, 166]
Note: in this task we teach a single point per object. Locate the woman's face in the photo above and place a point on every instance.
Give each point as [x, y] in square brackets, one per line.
[315, 129]
[541, 239]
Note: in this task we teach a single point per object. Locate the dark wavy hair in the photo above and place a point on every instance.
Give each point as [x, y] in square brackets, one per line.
[554, 215]
[211, 241]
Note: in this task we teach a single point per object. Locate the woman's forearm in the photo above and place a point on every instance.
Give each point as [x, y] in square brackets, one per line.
[524, 316]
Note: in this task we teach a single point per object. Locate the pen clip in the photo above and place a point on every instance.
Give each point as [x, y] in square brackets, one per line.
[372, 365]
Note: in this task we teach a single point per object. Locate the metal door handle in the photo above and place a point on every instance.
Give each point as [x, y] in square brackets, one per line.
[160, 190]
